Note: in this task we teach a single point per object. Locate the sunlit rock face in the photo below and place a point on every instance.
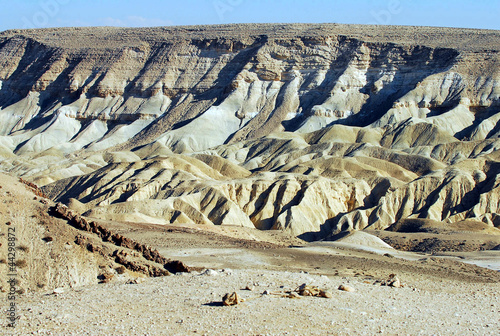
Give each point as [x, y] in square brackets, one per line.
[311, 129]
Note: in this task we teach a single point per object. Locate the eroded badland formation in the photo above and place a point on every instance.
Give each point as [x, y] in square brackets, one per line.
[311, 131]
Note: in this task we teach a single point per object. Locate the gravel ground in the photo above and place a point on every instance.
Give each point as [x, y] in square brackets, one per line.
[189, 304]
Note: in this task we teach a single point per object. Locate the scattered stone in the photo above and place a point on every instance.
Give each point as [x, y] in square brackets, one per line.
[120, 269]
[210, 272]
[58, 291]
[249, 288]
[396, 283]
[177, 266]
[105, 277]
[305, 290]
[79, 240]
[293, 295]
[136, 281]
[346, 288]
[231, 299]
[266, 292]
[392, 281]
[325, 294]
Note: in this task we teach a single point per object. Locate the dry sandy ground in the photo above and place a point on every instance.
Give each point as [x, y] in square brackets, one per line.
[189, 305]
[440, 296]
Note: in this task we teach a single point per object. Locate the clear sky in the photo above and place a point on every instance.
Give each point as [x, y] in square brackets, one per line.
[145, 13]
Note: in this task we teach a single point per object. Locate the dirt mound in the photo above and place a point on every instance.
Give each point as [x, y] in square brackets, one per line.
[364, 239]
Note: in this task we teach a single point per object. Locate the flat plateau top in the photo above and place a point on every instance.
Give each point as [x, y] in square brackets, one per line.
[113, 37]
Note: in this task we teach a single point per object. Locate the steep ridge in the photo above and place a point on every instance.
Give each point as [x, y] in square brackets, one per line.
[313, 129]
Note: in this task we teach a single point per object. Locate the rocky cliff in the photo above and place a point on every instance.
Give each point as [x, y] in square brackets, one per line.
[307, 128]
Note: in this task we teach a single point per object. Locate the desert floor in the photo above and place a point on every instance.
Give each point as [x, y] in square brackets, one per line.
[440, 295]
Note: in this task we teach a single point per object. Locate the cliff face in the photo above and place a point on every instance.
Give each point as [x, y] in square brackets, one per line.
[412, 100]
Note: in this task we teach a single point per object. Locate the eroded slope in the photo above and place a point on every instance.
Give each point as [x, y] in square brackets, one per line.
[311, 129]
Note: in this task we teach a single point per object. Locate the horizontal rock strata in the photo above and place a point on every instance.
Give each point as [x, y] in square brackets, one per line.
[313, 129]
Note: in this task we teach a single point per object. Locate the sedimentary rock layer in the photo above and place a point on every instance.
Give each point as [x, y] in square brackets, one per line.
[307, 128]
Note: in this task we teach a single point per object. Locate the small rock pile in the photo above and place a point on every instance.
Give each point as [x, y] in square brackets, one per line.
[392, 281]
[232, 299]
[306, 290]
[347, 288]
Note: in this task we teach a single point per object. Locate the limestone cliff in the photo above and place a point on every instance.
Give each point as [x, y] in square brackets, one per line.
[307, 128]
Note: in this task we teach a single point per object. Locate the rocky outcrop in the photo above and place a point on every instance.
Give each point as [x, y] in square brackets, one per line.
[44, 253]
[82, 223]
[313, 129]
[96, 88]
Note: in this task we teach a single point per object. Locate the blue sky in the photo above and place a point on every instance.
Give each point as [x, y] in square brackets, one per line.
[143, 13]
